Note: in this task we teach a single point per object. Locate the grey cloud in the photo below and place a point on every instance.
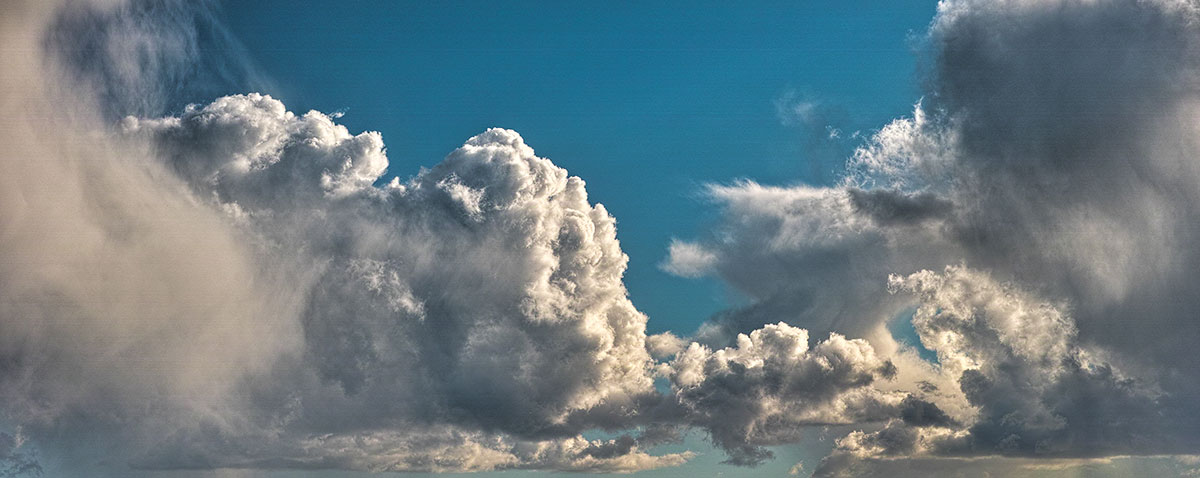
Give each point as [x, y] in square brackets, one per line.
[771, 385]
[427, 449]
[815, 256]
[407, 324]
[1038, 390]
[139, 56]
[485, 292]
[1054, 149]
[1078, 167]
[123, 297]
[919, 413]
[993, 467]
[893, 207]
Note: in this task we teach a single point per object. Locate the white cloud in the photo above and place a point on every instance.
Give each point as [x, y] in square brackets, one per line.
[686, 259]
[664, 345]
[485, 292]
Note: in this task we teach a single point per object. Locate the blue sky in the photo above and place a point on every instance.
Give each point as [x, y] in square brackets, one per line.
[645, 102]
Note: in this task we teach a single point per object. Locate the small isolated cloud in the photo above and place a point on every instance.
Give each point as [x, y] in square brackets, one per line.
[791, 108]
[686, 259]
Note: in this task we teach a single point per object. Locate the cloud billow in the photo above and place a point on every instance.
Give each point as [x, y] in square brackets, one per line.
[480, 299]
[1053, 153]
[484, 293]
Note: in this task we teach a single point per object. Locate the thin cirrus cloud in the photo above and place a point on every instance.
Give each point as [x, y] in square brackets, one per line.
[229, 287]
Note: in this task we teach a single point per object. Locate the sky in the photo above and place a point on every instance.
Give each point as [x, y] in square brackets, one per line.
[816, 239]
[641, 101]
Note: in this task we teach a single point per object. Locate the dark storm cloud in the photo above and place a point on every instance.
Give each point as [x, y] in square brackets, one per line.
[893, 207]
[1055, 149]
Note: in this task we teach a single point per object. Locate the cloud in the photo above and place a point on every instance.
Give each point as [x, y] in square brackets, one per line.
[686, 259]
[817, 256]
[122, 294]
[232, 285]
[482, 294]
[425, 449]
[1038, 392]
[410, 324]
[1053, 152]
[227, 288]
[665, 345]
[771, 385]
[1003, 467]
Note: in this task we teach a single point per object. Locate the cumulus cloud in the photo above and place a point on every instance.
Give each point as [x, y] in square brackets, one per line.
[407, 321]
[228, 288]
[764, 390]
[1037, 391]
[664, 345]
[484, 293]
[1054, 151]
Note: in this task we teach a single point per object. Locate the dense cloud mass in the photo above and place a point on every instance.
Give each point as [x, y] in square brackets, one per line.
[1055, 154]
[234, 285]
[489, 278]
[1018, 362]
[229, 288]
[478, 306]
[771, 384]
